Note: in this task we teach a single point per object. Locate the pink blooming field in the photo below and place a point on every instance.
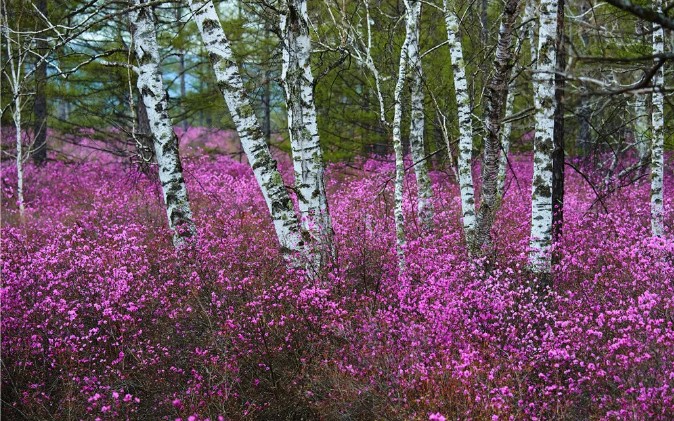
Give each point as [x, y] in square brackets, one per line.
[102, 319]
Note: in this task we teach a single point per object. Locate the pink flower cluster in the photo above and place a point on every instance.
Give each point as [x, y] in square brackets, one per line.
[102, 319]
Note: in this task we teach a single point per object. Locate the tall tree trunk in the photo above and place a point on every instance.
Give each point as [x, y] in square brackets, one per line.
[252, 138]
[495, 97]
[396, 132]
[658, 135]
[155, 99]
[465, 156]
[544, 101]
[417, 144]
[19, 154]
[298, 82]
[40, 100]
[558, 136]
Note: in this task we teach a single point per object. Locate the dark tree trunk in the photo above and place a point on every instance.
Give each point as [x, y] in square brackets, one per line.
[40, 104]
[558, 137]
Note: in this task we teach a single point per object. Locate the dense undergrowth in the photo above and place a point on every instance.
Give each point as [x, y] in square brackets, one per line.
[102, 319]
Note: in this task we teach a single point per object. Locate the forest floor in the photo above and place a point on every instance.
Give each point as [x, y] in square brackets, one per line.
[102, 319]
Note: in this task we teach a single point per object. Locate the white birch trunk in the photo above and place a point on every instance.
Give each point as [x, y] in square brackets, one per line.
[465, 157]
[252, 138]
[544, 101]
[155, 99]
[397, 138]
[424, 189]
[657, 123]
[308, 164]
[19, 156]
[14, 77]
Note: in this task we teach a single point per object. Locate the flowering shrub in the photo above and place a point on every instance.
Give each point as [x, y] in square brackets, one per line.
[102, 319]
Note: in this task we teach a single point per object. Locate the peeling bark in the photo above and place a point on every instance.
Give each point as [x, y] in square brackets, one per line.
[252, 138]
[154, 97]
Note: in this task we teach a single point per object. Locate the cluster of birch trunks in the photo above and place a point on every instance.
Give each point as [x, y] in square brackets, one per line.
[308, 234]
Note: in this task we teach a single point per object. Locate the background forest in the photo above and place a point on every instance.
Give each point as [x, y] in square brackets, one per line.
[337, 209]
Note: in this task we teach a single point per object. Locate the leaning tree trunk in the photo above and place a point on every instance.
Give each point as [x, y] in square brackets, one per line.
[424, 189]
[298, 82]
[544, 101]
[495, 97]
[465, 125]
[252, 138]
[155, 99]
[658, 138]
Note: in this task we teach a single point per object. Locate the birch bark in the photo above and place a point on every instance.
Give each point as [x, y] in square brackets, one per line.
[15, 78]
[396, 134]
[465, 157]
[252, 138]
[658, 138]
[417, 146]
[298, 83]
[155, 99]
[495, 97]
[544, 101]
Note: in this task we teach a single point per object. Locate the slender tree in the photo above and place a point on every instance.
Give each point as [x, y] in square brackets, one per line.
[40, 100]
[155, 99]
[558, 132]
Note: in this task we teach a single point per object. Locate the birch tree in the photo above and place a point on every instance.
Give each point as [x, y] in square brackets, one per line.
[154, 97]
[658, 138]
[495, 96]
[417, 145]
[252, 138]
[465, 157]
[298, 83]
[544, 101]
[410, 28]
[17, 54]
